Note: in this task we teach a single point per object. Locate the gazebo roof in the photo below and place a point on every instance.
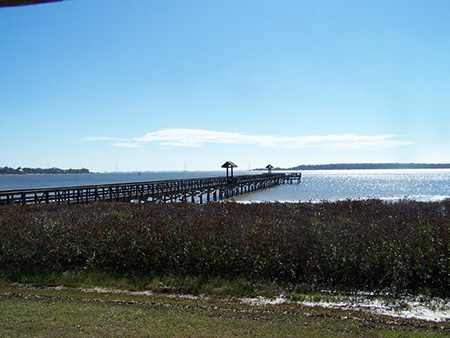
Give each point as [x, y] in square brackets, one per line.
[8, 3]
[229, 164]
[269, 166]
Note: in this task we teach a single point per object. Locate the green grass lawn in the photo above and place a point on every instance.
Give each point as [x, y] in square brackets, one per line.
[41, 312]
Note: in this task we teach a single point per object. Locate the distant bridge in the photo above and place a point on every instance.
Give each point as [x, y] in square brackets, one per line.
[196, 190]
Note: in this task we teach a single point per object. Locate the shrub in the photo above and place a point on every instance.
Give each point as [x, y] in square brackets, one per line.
[355, 244]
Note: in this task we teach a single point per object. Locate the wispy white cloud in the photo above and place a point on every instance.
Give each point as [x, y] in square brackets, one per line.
[117, 142]
[127, 145]
[101, 138]
[199, 137]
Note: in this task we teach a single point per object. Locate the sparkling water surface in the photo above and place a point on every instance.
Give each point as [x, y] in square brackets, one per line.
[332, 185]
[317, 185]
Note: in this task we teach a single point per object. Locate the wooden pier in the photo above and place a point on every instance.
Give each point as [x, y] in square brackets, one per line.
[196, 190]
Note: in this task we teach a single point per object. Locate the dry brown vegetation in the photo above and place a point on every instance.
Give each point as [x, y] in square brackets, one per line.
[364, 245]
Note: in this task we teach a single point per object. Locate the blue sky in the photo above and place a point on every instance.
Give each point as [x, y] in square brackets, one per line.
[152, 85]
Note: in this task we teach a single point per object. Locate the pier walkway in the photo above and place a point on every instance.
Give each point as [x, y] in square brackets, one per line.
[196, 190]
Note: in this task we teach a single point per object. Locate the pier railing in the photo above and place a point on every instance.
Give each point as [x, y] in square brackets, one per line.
[197, 190]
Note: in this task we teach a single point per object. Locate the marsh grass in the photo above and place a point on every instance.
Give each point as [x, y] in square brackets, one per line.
[347, 245]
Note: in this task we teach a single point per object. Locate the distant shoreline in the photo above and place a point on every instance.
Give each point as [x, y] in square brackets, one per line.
[357, 166]
[34, 171]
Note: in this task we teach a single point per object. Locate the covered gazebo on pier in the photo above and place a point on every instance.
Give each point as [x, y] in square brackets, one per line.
[269, 168]
[229, 165]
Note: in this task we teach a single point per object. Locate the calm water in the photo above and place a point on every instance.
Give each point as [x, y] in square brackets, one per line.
[317, 185]
[12, 182]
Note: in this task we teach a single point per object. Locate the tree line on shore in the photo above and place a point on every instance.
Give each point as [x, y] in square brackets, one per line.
[24, 171]
[352, 166]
